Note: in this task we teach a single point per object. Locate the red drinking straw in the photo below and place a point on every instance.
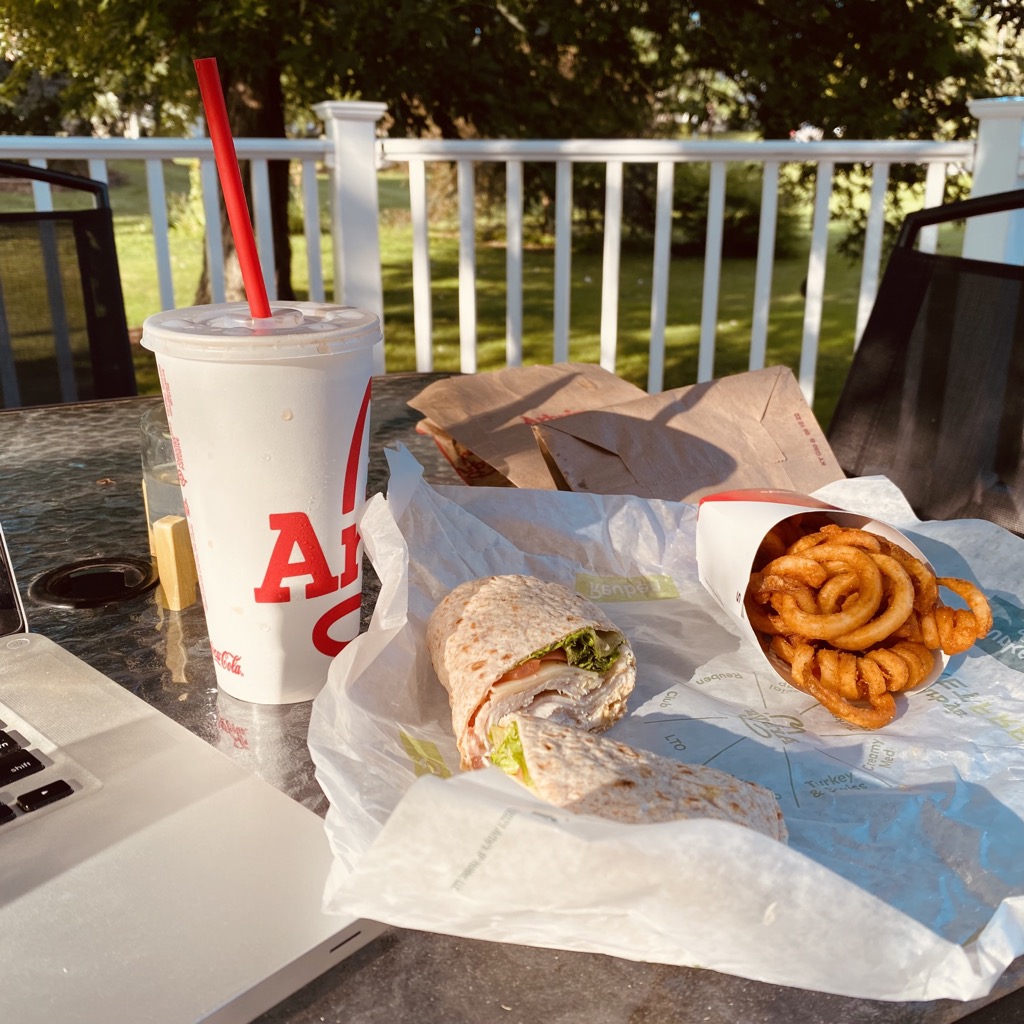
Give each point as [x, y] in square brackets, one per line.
[231, 185]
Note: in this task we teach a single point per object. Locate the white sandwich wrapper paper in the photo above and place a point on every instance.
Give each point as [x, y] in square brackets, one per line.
[903, 878]
[730, 527]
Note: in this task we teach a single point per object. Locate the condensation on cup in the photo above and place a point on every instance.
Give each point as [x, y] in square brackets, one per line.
[270, 422]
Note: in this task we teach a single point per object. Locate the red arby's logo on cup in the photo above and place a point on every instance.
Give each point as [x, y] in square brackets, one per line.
[229, 662]
[295, 533]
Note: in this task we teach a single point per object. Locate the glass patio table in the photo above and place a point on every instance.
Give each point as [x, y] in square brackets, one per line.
[70, 489]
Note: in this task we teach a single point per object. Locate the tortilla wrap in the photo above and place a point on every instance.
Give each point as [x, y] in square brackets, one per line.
[487, 639]
[597, 775]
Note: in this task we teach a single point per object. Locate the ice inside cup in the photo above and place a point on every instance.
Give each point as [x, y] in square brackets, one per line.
[730, 528]
[270, 423]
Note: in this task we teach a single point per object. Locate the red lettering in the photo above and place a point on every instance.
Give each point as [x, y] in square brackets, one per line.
[165, 387]
[544, 417]
[348, 499]
[295, 531]
[236, 732]
[322, 641]
[179, 460]
[350, 542]
[229, 662]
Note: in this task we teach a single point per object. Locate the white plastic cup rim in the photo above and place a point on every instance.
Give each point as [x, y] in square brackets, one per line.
[227, 332]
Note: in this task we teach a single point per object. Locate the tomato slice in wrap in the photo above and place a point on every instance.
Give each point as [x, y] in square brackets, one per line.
[503, 644]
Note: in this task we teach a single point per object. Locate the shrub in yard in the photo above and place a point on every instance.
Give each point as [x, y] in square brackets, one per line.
[742, 214]
[741, 219]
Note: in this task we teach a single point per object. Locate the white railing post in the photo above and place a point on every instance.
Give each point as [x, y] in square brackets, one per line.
[997, 168]
[351, 128]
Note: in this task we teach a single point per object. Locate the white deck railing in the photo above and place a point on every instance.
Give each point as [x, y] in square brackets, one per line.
[352, 153]
[155, 154]
[614, 154]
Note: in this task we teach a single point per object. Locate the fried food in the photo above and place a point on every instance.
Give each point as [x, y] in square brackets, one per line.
[856, 617]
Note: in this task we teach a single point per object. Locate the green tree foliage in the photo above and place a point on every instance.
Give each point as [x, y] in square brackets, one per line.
[526, 68]
[880, 69]
[871, 70]
[34, 107]
[513, 69]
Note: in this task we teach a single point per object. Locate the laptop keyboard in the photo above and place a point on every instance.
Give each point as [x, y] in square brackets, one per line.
[35, 774]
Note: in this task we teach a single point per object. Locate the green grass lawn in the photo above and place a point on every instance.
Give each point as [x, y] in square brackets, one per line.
[135, 249]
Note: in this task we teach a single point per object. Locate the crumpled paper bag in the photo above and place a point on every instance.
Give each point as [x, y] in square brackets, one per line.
[907, 840]
[751, 429]
[482, 422]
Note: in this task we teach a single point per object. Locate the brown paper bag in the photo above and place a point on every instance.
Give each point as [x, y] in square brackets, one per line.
[484, 421]
[748, 430]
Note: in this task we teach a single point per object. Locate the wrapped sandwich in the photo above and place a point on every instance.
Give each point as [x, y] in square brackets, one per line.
[504, 644]
[589, 774]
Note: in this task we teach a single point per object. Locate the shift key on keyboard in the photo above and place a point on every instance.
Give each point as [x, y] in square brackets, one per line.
[17, 765]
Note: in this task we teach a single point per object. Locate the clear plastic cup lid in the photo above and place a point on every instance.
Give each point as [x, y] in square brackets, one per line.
[227, 331]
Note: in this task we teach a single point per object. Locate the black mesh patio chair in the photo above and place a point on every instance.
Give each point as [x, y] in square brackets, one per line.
[935, 395]
[63, 332]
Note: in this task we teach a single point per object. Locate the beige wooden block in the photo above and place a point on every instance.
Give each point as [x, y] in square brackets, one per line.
[175, 562]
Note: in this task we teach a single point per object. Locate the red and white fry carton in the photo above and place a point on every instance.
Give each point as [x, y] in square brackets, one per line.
[730, 528]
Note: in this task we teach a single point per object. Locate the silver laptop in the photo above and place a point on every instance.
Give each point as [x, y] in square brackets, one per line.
[143, 874]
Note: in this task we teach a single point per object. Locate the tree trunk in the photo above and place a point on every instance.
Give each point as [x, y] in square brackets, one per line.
[255, 110]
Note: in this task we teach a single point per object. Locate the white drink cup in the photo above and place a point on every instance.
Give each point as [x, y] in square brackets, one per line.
[270, 422]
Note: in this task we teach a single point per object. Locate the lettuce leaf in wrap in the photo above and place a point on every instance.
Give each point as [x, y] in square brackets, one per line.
[586, 649]
[507, 751]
